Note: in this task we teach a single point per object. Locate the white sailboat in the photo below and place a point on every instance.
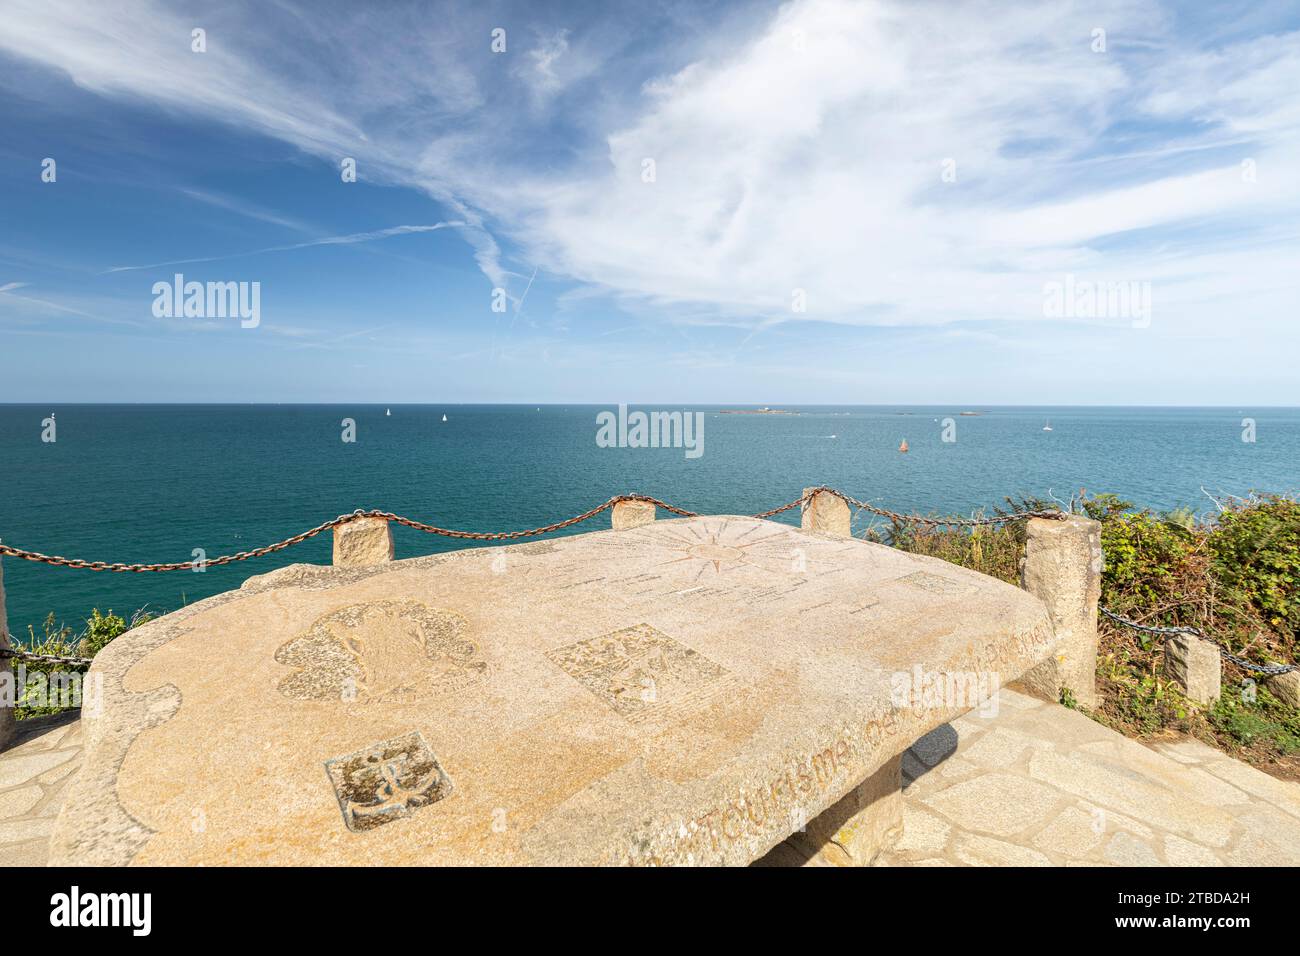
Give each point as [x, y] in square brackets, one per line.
[388, 411]
[1048, 426]
[444, 417]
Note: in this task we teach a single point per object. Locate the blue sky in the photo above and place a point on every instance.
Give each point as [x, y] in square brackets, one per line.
[915, 175]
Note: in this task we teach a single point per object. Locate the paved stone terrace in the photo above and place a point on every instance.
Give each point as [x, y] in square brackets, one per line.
[1040, 785]
[1034, 785]
[34, 776]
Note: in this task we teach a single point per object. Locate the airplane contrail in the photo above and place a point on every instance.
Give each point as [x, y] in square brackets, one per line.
[326, 241]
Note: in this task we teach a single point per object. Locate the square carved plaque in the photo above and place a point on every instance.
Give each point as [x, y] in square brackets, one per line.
[640, 671]
[387, 781]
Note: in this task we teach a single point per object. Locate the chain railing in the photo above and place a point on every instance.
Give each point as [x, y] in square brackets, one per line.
[59, 561]
[940, 522]
[17, 653]
[894, 516]
[1271, 670]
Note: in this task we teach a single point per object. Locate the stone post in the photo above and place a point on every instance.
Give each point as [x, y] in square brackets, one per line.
[826, 513]
[631, 514]
[1195, 666]
[8, 692]
[1285, 687]
[1062, 568]
[362, 542]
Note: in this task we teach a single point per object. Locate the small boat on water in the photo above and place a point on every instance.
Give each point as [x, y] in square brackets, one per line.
[388, 411]
[1047, 427]
[444, 417]
[903, 446]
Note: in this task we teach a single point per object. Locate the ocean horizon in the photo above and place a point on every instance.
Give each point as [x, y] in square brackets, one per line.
[154, 482]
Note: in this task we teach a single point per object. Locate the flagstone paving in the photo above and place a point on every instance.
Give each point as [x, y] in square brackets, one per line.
[1034, 785]
[1039, 785]
[34, 776]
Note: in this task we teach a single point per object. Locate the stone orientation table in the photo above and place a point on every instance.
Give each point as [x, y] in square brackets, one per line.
[685, 692]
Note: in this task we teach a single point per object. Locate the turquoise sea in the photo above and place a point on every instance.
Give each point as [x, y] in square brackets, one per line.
[150, 483]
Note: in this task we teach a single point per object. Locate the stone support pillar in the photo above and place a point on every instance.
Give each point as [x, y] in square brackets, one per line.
[853, 831]
[1195, 666]
[631, 514]
[826, 513]
[362, 542]
[1062, 568]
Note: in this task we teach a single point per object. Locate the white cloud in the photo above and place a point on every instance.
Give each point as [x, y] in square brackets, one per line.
[543, 59]
[810, 158]
[805, 153]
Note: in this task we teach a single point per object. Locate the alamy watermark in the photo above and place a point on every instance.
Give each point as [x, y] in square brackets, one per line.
[651, 430]
[62, 689]
[209, 300]
[133, 911]
[1073, 298]
[919, 689]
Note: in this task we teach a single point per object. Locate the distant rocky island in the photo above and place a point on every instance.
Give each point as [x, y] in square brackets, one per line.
[959, 413]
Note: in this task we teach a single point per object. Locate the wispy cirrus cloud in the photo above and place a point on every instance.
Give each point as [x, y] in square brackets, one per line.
[40, 308]
[802, 147]
[7, 291]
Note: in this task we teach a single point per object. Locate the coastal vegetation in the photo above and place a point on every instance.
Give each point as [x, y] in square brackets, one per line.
[61, 640]
[1234, 575]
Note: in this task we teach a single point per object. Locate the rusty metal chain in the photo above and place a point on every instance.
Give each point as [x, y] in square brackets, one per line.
[932, 522]
[785, 507]
[1269, 669]
[17, 653]
[897, 517]
[59, 561]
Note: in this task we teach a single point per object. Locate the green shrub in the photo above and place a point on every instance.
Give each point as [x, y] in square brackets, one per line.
[994, 550]
[59, 640]
[1256, 559]
[1236, 577]
[102, 628]
[1149, 558]
[1264, 723]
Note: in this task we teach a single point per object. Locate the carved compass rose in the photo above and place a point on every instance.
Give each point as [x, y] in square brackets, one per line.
[725, 546]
